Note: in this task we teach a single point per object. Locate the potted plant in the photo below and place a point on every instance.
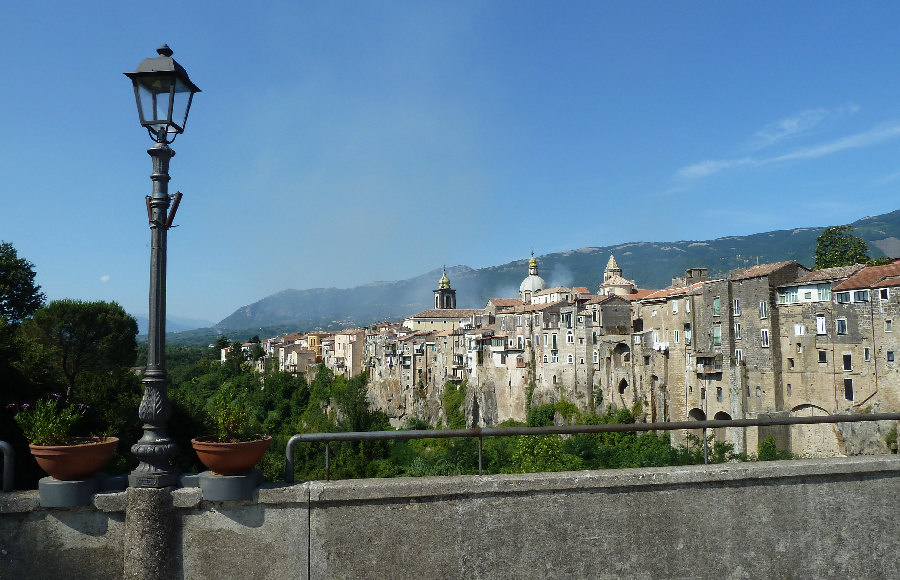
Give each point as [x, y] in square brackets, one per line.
[48, 426]
[237, 444]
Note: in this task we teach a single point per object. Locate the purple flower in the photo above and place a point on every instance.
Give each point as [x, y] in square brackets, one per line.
[25, 405]
[11, 406]
[82, 406]
[56, 396]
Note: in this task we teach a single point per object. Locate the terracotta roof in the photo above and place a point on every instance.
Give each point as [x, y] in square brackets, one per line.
[554, 289]
[638, 294]
[505, 302]
[761, 270]
[581, 290]
[871, 277]
[677, 291]
[447, 313]
[831, 274]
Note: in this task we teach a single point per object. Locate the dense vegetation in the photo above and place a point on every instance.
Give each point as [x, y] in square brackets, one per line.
[285, 405]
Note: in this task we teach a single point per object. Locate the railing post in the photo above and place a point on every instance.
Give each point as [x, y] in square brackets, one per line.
[327, 463]
[705, 448]
[479, 455]
[8, 455]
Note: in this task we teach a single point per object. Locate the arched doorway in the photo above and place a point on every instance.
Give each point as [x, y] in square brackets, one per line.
[721, 433]
[813, 440]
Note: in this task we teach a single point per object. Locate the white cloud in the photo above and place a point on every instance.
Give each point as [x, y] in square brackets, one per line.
[866, 138]
[104, 278]
[705, 168]
[800, 123]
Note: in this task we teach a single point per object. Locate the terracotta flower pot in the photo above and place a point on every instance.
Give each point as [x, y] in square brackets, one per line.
[77, 461]
[230, 458]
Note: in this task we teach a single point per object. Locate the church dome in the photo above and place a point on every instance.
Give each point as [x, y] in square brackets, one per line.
[532, 283]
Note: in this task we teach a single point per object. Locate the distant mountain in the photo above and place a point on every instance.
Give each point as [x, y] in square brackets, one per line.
[173, 324]
[649, 264]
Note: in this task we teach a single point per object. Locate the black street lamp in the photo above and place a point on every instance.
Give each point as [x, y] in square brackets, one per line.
[163, 93]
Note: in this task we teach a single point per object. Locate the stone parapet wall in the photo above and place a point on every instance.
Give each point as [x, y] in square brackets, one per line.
[826, 518]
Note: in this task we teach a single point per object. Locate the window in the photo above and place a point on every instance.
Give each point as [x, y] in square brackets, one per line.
[553, 342]
[737, 330]
[674, 307]
[763, 309]
[787, 296]
[789, 388]
[890, 356]
[807, 295]
[518, 320]
[596, 357]
[883, 293]
[581, 320]
[820, 324]
[546, 339]
[848, 389]
[570, 338]
[799, 330]
[790, 363]
[594, 337]
[888, 325]
[867, 354]
[848, 362]
[554, 358]
[545, 358]
[738, 355]
[758, 391]
[841, 325]
[716, 306]
[702, 393]
[842, 297]
[736, 307]
[764, 338]
[687, 334]
[823, 356]
[719, 394]
[653, 313]
[570, 359]
[717, 335]
[799, 348]
[824, 291]
[687, 305]
[861, 296]
[676, 335]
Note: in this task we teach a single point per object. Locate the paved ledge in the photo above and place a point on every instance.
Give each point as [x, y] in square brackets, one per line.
[747, 473]
[425, 488]
[110, 502]
[14, 502]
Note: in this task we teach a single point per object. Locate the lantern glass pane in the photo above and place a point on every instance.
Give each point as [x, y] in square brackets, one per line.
[181, 103]
[154, 105]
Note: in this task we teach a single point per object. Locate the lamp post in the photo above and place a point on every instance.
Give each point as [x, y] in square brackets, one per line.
[163, 93]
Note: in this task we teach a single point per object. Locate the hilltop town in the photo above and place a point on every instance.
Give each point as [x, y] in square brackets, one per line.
[769, 340]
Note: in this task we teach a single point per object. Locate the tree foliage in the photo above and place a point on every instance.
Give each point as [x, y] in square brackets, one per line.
[19, 295]
[838, 246]
[84, 336]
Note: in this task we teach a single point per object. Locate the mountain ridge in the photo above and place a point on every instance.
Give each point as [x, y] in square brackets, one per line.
[649, 264]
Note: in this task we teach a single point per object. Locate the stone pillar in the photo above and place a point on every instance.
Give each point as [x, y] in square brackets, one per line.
[149, 533]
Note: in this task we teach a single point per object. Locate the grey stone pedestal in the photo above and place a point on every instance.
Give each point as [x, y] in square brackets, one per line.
[229, 487]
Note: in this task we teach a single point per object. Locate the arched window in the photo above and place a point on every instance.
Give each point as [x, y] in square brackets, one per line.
[571, 359]
[545, 358]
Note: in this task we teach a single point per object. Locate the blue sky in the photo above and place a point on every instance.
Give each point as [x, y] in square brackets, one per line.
[339, 143]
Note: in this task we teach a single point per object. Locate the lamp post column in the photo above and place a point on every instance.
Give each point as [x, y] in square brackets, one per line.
[155, 449]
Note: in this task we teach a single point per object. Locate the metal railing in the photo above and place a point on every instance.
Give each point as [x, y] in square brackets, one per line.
[481, 432]
[8, 456]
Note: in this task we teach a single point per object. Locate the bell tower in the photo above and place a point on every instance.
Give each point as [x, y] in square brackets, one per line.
[444, 296]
